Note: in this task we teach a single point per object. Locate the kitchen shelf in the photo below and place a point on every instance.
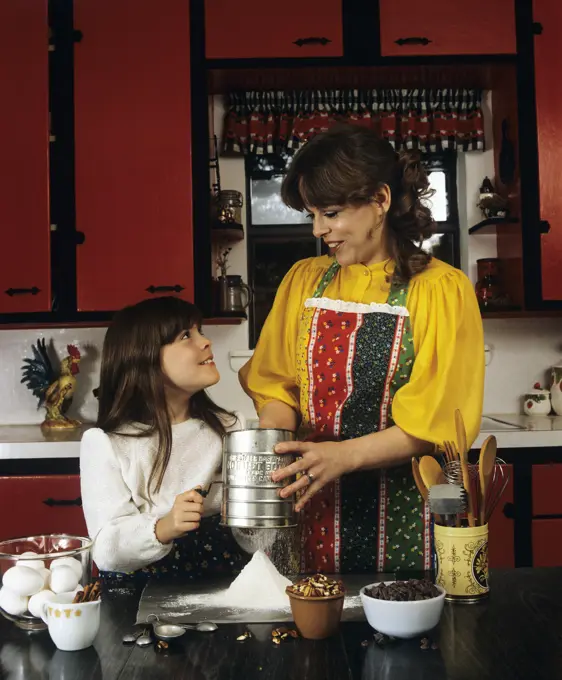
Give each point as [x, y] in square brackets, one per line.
[488, 226]
[232, 234]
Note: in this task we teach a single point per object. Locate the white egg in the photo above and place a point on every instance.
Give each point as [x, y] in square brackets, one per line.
[32, 564]
[69, 562]
[12, 603]
[23, 581]
[46, 574]
[63, 579]
[36, 602]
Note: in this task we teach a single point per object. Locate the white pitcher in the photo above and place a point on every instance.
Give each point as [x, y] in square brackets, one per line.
[556, 389]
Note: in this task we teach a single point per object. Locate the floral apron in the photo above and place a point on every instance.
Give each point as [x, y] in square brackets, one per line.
[351, 360]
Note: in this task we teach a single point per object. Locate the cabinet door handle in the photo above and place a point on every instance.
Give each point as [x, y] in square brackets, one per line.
[412, 41]
[165, 289]
[22, 291]
[509, 510]
[299, 42]
[544, 227]
[52, 502]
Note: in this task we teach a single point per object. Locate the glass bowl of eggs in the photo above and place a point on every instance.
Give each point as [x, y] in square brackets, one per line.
[32, 569]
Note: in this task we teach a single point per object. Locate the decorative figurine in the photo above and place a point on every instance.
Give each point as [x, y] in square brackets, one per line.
[55, 393]
[492, 204]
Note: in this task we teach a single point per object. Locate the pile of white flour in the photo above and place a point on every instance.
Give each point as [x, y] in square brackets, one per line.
[258, 586]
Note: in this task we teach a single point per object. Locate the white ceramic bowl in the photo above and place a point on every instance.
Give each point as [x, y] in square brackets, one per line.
[402, 619]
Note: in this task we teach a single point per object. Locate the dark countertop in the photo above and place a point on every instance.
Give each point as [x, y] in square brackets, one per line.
[515, 635]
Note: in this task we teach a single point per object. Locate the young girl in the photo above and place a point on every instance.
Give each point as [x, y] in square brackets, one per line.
[156, 445]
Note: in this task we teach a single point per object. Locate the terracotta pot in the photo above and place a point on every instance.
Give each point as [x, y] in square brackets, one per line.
[316, 618]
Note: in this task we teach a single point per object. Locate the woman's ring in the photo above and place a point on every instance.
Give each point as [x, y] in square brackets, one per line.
[310, 477]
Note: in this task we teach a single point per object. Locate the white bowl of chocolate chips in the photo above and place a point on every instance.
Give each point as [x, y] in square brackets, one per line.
[403, 609]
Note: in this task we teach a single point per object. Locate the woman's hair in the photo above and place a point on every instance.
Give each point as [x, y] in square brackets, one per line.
[348, 165]
[132, 382]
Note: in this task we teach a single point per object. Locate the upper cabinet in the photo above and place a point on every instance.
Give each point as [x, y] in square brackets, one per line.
[439, 27]
[133, 152]
[253, 29]
[548, 63]
[25, 281]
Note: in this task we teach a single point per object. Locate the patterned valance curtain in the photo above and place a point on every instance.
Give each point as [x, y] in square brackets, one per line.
[427, 120]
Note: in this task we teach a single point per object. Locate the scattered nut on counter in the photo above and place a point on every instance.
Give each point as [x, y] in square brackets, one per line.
[244, 636]
[317, 586]
[282, 633]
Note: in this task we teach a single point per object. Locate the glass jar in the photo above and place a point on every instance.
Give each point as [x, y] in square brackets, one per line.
[230, 207]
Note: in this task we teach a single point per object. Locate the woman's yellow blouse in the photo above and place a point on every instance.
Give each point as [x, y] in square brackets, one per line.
[448, 371]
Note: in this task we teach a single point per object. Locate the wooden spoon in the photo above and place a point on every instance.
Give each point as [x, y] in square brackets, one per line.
[463, 454]
[431, 472]
[486, 463]
[422, 488]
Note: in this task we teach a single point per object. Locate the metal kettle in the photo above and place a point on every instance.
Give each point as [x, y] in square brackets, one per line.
[235, 295]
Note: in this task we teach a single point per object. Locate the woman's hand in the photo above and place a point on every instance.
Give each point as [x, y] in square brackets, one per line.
[184, 516]
[323, 461]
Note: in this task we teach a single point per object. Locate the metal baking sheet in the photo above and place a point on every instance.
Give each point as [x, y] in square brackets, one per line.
[185, 602]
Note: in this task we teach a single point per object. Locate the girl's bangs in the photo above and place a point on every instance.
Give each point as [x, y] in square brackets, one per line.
[183, 316]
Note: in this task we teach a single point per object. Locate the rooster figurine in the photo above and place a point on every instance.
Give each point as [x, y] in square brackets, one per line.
[55, 393]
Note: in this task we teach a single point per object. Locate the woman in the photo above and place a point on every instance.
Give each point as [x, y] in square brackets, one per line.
[371, 350]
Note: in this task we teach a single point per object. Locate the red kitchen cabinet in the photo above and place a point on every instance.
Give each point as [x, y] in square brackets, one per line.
[501, 547]
[548, 62]
[547, 542]
[253, 29]
[410, 27]
[48, 504]
[25, 279]
[133, 152]
[547, 485]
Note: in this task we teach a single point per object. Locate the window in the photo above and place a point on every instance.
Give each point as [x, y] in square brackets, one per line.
[279, 236]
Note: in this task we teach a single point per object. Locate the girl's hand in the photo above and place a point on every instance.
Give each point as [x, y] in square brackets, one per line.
[184, 516]
[323, 461]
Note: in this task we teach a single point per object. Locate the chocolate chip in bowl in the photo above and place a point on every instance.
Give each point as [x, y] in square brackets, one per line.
[403, 609]
[316, 603]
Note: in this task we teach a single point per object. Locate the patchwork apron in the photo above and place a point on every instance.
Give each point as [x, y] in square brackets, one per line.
[352, 358]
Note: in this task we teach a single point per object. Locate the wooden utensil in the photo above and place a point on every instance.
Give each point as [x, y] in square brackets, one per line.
[431, 472]
[450, 452]
[422, 488]
[463, 454]
[486, 463]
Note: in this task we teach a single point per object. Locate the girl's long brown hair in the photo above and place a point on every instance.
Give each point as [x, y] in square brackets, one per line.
[131, 387]
[348, 165]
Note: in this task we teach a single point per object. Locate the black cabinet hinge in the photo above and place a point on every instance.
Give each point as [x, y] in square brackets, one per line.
[299, 42]
[77, 36]
[22, 291]
[165, 289]
[537, 28]
[53, 502]
[412, 41]
[544, 227]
